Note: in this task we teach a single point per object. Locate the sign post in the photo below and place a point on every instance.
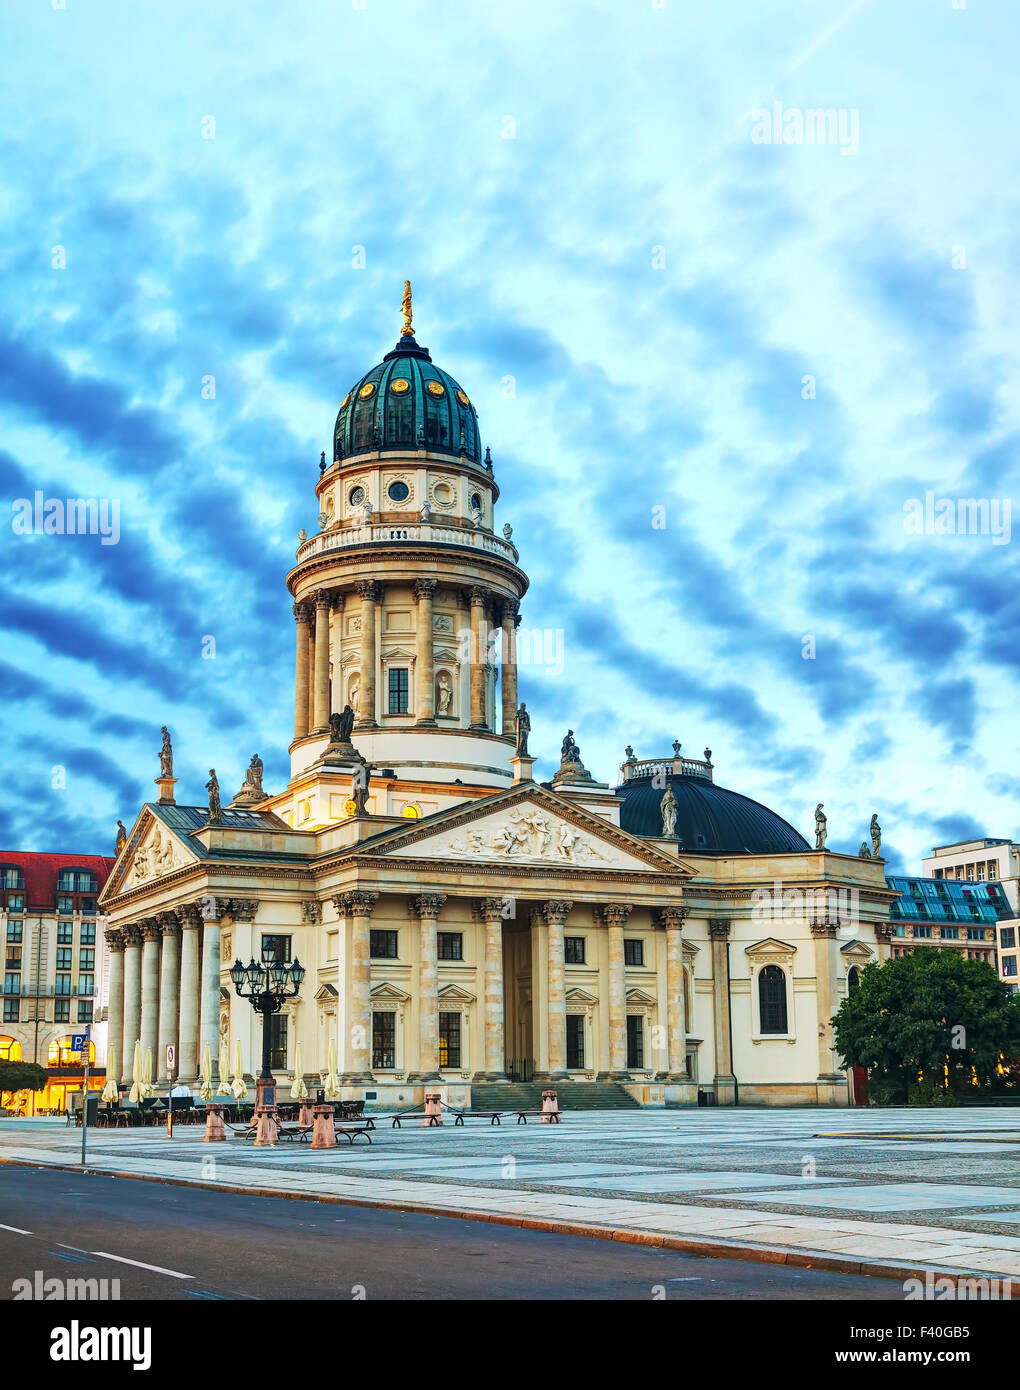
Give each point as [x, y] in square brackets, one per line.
[82, 1043]
[171, 1060]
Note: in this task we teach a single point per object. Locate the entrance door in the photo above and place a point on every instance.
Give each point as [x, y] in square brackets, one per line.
[575, 1042]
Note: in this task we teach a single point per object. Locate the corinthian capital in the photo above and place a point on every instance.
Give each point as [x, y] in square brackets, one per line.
[428, 905]
[492, 909]
[672, 918]
[612, 914]
[424, 588]
[367, 589]
[556, 911]
[719, 929]
[356, 902]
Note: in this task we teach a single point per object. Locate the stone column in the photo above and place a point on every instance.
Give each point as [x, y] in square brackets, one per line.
[555, 915]
[357, 905]
[508, 663]
[370, 593]
[823, 935]
[672, 920]
[336, 629]
[301, 672]
[209, 1005]
[426, 908]
[115, 1003]
[423, 591]
[150, 988]
[725, 1081]
[311, 668]
[132, 993]
[613, 916]
[190, 919]
[320, 718]
[478, 662]
[495, 1046]
[169, 990]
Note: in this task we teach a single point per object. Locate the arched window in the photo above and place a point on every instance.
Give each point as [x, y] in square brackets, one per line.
[60, 1054]
[853, 978]
[10, 1050]
[772, 999]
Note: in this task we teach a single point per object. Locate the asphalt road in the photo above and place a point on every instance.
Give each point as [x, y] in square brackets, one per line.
[165, 1242]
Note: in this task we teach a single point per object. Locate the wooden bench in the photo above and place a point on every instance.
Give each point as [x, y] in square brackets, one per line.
[351, 1132]
[433, 1120]
[493, 1116]
[552, 1116]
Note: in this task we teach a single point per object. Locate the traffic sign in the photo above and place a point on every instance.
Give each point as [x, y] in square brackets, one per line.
[79, 1042]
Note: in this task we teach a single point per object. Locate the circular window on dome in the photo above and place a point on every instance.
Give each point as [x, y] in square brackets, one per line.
[398, 492]
[435, 388]
[462, 398]
[366, 390]
[399, 385]
[343, 403]
[356, 496]
[442, 495]
[476, 502]
[411, 812]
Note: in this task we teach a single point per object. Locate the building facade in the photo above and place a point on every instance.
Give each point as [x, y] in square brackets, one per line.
[54, 957]
[464, 927]
[956, 915]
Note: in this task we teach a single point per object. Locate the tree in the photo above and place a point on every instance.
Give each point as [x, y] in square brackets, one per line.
[22, 1076]
[927, 1026]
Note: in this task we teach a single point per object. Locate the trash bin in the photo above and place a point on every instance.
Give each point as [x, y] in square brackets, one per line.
[92, 1108]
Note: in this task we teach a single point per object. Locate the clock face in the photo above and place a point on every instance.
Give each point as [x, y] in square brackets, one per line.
[398, 492]
[357, 496]
[350, 807]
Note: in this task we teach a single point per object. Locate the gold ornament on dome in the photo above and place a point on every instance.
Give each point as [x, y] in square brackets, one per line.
[462, 398]
[411, 812]
[405, 305]
[350, 807]
[343, 403]
[399, 385]
[366, 390]
[435, 388]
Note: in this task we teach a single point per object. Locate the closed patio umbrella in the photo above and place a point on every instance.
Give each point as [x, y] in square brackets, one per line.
[206, 1088]
[298, 1088]
[110, 1091]
[331, 1083]
[224, 1086]
[135, 1093]
[237, 1082]
[147, 1088]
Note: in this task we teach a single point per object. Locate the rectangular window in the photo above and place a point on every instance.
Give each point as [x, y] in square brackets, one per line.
[924, 932]
[11, 878]
[635, 1042]
[383, 945]
[384, 1040]
[65, 905]
[975, 933]
[12, 1010]
[16, 902]
[573, 950]
[633, 952]
[575, 1042]
[87, 958]
[278, 1043]
[276, 948]
[62, 1011]
[65, 933]
[88, 933]
[88, 905]
[14, 957]
[1009, 966]
[938, 873]
[449, 1040]
[14, 931]
[62, 984]
[87, 984]
[981, 872]
[12, 983]
[84, 1010]
[398, 689]
[950, 933]
[1007, 938]
[63, 957]
[451, 947]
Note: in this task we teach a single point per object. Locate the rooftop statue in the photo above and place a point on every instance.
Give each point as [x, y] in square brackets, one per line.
[821, 821]
[522, 728]
[166, 755]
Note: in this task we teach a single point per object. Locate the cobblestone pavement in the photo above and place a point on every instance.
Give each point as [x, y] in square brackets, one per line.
[937, 1189]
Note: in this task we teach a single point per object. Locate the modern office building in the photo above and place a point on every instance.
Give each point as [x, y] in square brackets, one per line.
[959, 916]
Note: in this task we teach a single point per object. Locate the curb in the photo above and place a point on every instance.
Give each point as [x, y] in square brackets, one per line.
[686, 1245]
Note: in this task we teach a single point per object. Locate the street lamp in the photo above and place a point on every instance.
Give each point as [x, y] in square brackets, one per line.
[267, 985]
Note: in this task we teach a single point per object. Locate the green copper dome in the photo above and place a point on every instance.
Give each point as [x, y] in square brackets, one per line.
[407, 402]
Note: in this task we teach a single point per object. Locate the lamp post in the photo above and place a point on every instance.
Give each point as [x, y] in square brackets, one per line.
[267, 983]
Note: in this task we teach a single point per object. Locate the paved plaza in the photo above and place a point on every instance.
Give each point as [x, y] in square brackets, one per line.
[899, 1188]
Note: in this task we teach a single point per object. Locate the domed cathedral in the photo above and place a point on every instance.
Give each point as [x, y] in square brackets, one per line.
[465, 930]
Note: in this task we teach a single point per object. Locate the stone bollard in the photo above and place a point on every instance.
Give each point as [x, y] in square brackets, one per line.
[214, 1131]
[324, 1134]
[305, 1113]
[433, 1106]
[267, 1122]
[550, 1106]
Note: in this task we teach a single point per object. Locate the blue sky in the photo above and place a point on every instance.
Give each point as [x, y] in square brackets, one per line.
[658, 286]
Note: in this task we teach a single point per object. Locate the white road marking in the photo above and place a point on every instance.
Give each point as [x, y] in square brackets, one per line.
[16, 1229]
[70, 1247]
[140, 1264]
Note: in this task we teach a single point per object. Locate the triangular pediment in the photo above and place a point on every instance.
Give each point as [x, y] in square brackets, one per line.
[527, 825]
[857, 951]
[389, 991]
[455, 994]
[580, 996]
[640, 996]
[152, 852]
[771, 946]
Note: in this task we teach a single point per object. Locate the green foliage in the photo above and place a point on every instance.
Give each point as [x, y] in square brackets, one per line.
[22, 1076]
[911, 1018]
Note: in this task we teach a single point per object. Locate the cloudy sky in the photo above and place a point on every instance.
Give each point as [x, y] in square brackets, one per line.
[732, 363]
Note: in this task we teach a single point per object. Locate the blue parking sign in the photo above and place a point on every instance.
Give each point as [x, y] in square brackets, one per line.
[79, 1041]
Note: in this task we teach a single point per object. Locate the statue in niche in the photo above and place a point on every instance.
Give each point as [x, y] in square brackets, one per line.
[522, 728]
[875, 831]
[213, 788]
[444, 687]
[821, 822]
[166, 755]
[668, 806]
[354, 699]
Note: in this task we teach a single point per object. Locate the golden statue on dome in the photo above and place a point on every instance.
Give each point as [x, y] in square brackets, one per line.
[407, 331]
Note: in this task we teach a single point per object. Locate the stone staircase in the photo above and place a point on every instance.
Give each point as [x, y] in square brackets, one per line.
[573, 1095]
